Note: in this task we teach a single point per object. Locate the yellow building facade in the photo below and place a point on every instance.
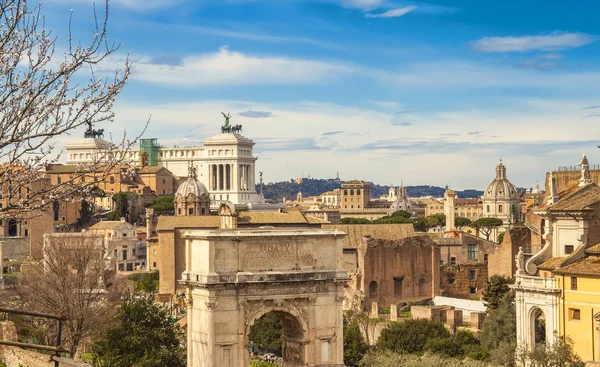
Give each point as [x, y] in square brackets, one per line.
[579, 304]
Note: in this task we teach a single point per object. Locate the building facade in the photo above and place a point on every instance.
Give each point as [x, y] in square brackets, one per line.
[225, 163]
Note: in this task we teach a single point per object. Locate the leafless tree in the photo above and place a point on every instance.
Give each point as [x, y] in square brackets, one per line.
[73, 280]
[42, 98]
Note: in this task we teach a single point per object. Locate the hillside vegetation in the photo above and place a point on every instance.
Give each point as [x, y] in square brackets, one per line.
[313, 186]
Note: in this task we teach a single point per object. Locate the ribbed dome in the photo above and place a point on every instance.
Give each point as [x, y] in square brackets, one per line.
[501, 187]
[191, 186]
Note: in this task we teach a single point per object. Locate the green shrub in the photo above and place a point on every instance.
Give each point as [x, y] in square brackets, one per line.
[410, 336]
[355, 347]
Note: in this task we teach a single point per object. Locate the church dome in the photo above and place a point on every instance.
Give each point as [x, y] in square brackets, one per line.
[501, 187]
[191, 186]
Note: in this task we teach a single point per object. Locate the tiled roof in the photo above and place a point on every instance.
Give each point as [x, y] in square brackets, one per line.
[107, 224]
[293, 217]
[168, 223]
[356, 232]
[552, 263]
[589, 265]
[579, 199]
[152, 169]
[593, 249]
[315, 220]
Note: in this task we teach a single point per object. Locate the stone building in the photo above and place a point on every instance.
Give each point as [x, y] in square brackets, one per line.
[234, 276]
[128, 251]
[464, 261]
[192, 197]
[355, 194]
[401, 202]
[399, 270]
[557, 289]
[166, 243]
[501, 199]
[225, 163]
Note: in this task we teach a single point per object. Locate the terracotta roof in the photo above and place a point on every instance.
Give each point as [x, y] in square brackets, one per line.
[315, 220]
[579, 199]
[151, 169]
[108, 224]
[593, 249]
[293, 217]
[418, 240]
[552, 263]
[168, 223]
[356, 232]
[355, 182]
[589, 265]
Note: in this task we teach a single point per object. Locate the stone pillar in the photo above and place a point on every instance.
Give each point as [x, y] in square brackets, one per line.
[393, 313]
[235, 174]
[374, 310]
[449, 209]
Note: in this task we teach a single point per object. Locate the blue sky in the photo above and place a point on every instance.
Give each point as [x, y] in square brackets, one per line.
[383, 90]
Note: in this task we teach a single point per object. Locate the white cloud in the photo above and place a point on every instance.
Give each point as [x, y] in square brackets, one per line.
[552, 42]
[533, 136]
[398, 12]
[362, 4]
[226, 67]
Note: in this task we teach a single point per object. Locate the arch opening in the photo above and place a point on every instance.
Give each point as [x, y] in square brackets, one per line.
[538, 330]
[373, 291]
[277, 337]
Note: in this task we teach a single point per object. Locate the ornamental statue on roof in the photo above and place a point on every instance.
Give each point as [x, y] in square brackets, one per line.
[228, 128]
[91, 133]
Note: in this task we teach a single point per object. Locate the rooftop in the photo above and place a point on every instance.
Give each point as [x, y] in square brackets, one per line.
[580, 198]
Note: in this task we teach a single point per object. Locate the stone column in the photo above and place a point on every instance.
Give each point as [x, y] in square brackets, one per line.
[235, 174]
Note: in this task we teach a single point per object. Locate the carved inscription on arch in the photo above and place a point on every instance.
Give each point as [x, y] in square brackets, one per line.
[273, 256]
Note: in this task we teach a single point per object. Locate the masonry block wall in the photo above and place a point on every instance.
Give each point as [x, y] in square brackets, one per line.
[463, 281]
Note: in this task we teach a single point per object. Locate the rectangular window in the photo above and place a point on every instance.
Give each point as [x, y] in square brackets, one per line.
[485, 258]
[472, 274]
[569, 249]
[574, 314]
[398, 287]
[574, 283]
[472, 252]
[124, 254]
[472, 290]
[452, 261]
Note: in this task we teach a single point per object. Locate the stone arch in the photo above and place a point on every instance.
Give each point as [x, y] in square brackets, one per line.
[537, 326]
[294, 336]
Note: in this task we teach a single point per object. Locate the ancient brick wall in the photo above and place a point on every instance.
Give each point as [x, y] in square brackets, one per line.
[502, 262]
[464, 280]
[396, 271]
[566, 179]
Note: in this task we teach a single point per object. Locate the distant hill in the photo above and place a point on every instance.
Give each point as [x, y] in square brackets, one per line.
[312, 186]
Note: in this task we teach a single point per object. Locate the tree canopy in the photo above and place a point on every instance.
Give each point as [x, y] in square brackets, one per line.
[144, 335]
[410, 336]
[496, 288]
[486, 225]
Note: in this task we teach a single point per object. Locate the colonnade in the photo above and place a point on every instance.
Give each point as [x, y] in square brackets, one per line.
[222, 177]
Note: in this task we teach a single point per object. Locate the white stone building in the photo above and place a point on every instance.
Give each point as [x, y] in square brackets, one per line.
[501, 198]
[225, 164]
[568, 220]
[126, 250]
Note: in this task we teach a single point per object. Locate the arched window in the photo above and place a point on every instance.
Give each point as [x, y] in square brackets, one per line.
[112, 179]
[345, 192]
[357, 192]
[373, 289]
[352, 192]
[488, 208]
[500, 208]
[56, 210]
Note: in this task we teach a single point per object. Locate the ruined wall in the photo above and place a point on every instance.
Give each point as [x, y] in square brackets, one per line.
[464, 280]
[396, 271]
[502, 262]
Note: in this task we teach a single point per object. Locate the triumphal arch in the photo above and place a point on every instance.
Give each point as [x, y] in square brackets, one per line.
[234, 276]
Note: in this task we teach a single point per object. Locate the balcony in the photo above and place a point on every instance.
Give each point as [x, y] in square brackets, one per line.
[541, 283]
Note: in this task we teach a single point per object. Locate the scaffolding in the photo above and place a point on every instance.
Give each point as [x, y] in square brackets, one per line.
[150, 147]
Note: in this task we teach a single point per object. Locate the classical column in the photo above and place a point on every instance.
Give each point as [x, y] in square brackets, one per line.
[248, 177]
[235, 174]
[220, 175]
[228, 180]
